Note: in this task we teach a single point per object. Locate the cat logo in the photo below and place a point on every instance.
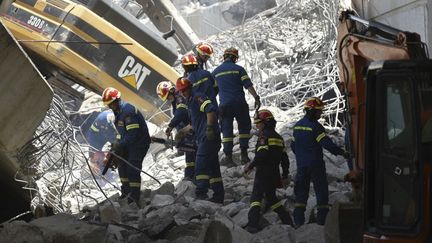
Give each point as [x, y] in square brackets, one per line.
[133, 72]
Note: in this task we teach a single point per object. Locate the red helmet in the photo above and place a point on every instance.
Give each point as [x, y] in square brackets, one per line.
[314, 103]
[182, 84]
[163, 89]
[263, 115]
[109, 95]
[189, 59]
[231, 51]
[204, 49]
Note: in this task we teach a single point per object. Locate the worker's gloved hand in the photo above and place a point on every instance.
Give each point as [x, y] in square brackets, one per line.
[257, 102]
[116, 147]
[168, 131]
[346, 155]
[286, 181]
[210, 133]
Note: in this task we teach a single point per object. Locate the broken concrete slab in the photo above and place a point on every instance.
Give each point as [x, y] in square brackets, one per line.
[66, 228]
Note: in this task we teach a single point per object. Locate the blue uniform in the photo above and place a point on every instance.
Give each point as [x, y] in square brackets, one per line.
[203, 83]
[309, 139]
[134, 136]
[101, 131]
[207, 170]
[231, 79]
[180, 120]
[269, 155]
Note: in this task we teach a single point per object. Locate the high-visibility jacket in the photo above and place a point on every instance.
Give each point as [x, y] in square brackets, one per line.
[309, 139]
[231, 79]
[199, 105]
[132, 128]
[270, 154]
[101, 131]
[179, 111]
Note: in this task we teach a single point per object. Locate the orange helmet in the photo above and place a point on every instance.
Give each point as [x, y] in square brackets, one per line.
[231, 51]
[204, 49]
[314, 103]
[263, 115]
[163, 89]
[182, 84]
[109, 95]
[189, 59]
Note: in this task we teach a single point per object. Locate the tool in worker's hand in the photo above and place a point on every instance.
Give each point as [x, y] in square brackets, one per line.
[183, 146]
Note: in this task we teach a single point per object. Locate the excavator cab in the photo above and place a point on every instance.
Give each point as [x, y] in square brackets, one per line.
[398, 152]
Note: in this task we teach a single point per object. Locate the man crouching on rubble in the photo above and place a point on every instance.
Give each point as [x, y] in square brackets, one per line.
[133, 139]
[269, 154]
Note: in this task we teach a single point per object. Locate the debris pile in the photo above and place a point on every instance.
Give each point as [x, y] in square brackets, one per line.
[290, 54]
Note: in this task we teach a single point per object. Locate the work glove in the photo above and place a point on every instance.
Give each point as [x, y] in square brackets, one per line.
[257, 102]
[168, 131]
[346, 155]
[210, 133]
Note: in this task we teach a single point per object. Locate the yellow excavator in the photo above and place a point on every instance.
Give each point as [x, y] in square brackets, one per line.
[94, 43]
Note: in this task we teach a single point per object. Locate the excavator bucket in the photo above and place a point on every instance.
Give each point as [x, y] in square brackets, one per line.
[25, 98]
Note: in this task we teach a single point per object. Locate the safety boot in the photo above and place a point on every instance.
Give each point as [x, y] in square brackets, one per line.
[244, 156]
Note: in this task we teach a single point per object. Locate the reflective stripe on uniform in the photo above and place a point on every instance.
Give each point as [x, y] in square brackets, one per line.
[190, 164]
[321, 136]
[227, 139]
[94, 128]
[245, 135]
[203, 105]
[124, 179]
[181, 106]
[214, 180]
[244, 77]
[276, 205]
[226, 73]
[118, 136]
[202, 177]
[302, 128]
[134, 184]
[199, 82]
[300, 205]
[132, 126]
[262, 147]
[276, 142]
[255, 204]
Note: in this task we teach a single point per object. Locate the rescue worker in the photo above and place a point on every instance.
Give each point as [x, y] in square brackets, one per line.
[203, 52]
[269, 155]
[202, 80]
[205, 125]
[231, 79]
[133, 137]
[309, 139]
[166, 91]
[101, 131]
